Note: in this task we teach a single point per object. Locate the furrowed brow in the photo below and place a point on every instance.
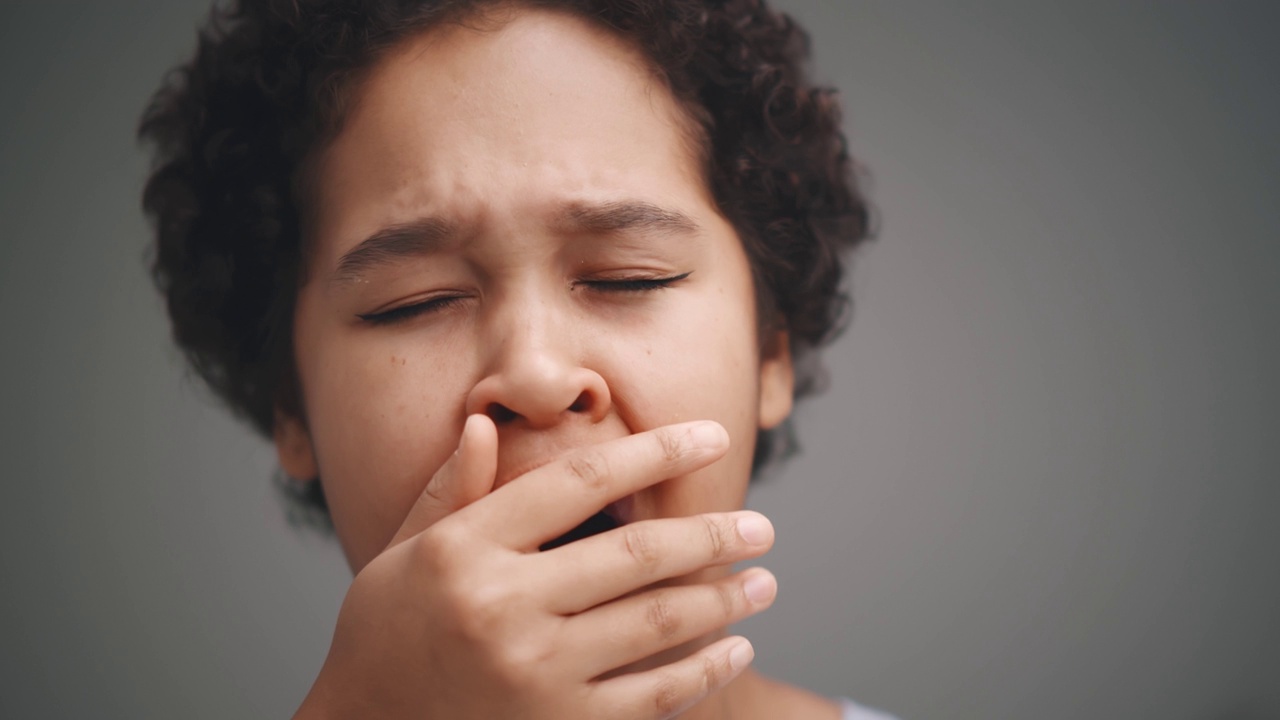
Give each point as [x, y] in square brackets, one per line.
[626, 217]
[395, 242]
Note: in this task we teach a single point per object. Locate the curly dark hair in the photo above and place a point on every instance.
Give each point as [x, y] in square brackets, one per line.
[270, 83]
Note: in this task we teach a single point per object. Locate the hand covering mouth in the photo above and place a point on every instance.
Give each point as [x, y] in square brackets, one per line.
[614, 516]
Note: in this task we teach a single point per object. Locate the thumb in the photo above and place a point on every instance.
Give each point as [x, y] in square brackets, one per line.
[466, 476]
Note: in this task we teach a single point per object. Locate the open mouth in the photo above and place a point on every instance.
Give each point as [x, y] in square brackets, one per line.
[594, 525]
[603, 521]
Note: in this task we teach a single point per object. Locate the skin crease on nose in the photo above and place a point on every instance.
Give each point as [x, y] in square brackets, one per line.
[497, 131]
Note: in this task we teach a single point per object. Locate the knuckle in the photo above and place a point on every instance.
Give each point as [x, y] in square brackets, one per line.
[671, 444]
[728, 600]
[640, 546]
[523, 663]
[662, 618]
[480, 607]
[717, 536]
[666, 696]
[436, 549]
[710, 675]
[489, 598]
[434, 492]
[590, 468]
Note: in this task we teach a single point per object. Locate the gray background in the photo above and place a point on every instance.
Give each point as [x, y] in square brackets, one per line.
[1043, 483]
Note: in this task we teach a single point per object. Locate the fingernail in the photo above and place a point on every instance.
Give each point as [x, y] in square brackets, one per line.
[755, 529]
[708, 435]
[741, 654]
[760, 588]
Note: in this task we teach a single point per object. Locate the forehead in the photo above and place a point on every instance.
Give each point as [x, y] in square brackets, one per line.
[517, 114]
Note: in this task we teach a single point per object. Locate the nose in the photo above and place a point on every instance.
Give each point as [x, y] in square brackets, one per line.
[535, 376]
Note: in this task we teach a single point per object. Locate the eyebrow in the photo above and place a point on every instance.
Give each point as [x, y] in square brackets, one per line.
[428, 235]
[423, 236]
[625, 216]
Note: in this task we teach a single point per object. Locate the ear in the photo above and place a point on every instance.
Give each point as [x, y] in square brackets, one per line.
[777, 381]
[293, 448]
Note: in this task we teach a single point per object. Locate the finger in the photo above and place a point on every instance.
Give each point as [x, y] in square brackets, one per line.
[670, 690]
[466, 476]
[558, 496]
[606, 566]
[634, 628]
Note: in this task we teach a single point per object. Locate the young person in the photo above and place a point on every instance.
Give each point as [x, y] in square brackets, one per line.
[515, 288]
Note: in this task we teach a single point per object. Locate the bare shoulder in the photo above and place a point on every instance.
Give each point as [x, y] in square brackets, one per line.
[788, 702]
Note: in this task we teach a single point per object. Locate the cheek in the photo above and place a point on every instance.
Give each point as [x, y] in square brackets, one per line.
[700, 363]
[690, 359]
[382, 421]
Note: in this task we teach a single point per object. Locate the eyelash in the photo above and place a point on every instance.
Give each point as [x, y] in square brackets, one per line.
[627, 285]
[406, 312]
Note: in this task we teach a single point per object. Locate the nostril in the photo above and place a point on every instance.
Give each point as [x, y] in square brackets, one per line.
[500, 414]
[582, 403]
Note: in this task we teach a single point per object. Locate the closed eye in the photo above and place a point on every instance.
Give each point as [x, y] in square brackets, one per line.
[406, 312]
[434, 305]
[623, 285]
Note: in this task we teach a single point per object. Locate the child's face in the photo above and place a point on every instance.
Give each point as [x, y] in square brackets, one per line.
[527, 168]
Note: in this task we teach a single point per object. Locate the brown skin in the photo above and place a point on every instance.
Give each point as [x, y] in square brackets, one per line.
[573, 373]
